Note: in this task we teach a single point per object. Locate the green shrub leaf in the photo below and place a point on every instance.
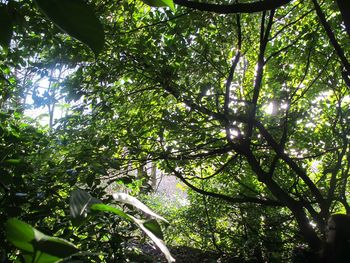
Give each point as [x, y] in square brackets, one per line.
[77, 19]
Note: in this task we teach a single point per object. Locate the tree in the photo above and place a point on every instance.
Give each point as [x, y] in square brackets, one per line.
[255, 105]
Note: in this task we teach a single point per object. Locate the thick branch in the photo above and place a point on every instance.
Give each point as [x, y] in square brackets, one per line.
[231, 74]
[253, 7]
[229, 81]
[331, 36]
[300, 172]
[182, 156]
[264, 39]
[344, 6]
[307, 232]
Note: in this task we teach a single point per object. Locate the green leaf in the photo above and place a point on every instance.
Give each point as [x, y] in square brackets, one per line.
[77, 19]
[42, 258]
[108, 208]
[47, 248]
[160, 3]
[56, 247]
[27, 258]
[79, 203]
[6, 27]
[150, 227]
[13, 161]
[153, 226]
[128, 199]
[20, 234]
[159, 243]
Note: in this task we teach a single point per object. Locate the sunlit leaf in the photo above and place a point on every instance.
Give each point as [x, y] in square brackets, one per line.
[159, 242]
[160, 3]
[76, 18]
[108, 208]
[128, 199]
[47, 249]
[20, 234]
[150, 227]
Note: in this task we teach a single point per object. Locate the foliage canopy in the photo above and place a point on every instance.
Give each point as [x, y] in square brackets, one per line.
[246, 103]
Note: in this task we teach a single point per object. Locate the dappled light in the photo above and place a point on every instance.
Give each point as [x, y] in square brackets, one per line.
[174, 131]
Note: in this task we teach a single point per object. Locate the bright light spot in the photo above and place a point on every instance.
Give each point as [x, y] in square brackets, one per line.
[346, 99]
[270, 109]
[284, 106]
[234, 133]
[312, 224]
[314, 166]
[43, 83]
[310, 125]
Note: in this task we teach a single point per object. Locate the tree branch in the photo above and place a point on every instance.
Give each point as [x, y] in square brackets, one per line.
[233, 200]
[264, 39]
[253, 7]
[300, 172]
[331, 37]
[344, 7]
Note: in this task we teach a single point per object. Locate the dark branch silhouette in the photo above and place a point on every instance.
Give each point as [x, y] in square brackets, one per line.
[253, 7]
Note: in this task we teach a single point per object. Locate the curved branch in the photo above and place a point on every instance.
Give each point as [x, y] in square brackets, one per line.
[293, 165]
[253, 7]
[331, 36]
[233, 200]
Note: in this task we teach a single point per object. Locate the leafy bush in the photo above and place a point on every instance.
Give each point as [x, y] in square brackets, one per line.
[40, 248]
[241, 232]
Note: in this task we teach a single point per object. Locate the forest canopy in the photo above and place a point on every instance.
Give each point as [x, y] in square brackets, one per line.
[246, 103]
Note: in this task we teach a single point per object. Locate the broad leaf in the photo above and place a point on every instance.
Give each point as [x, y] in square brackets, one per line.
[41, 257]
[159, 243]
[153, 226]
[20, 234]
[128, 199]
[56, 247]
[27, 259]
[6, 27]
[45, 249]
[160, 3]
[108, 208]
[79, 203]
[150, 227]
[77, 19]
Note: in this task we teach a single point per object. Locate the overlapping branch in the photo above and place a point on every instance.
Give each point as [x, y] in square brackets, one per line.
[253, 7]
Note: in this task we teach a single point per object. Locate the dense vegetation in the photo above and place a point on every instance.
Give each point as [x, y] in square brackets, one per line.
[246, 103]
